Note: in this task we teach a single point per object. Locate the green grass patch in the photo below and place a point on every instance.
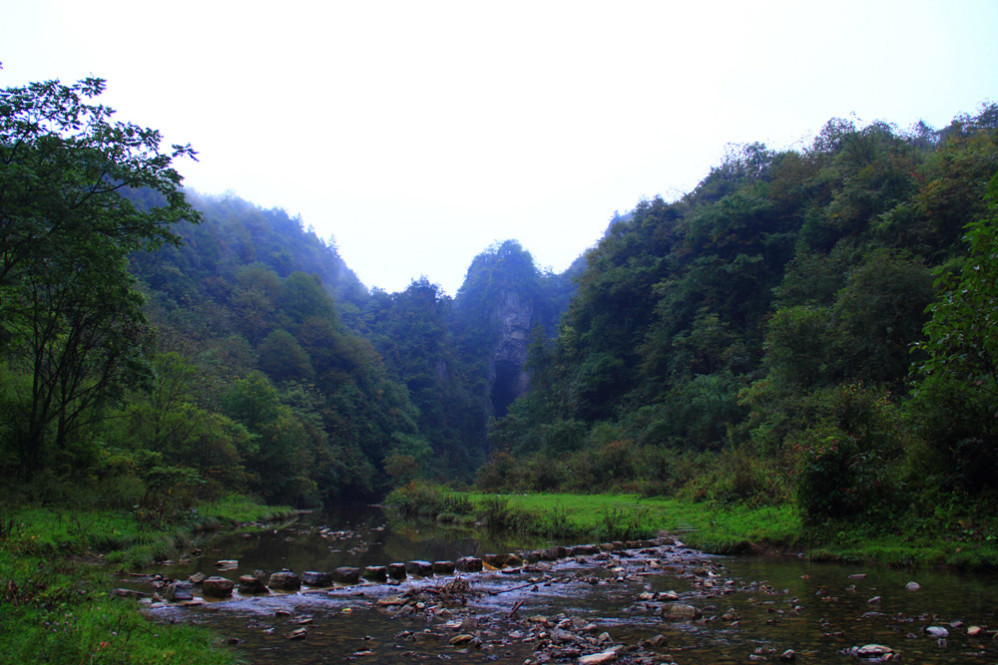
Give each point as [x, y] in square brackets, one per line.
[55, 574]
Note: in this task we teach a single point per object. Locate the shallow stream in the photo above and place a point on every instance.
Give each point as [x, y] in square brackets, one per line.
[754, 609]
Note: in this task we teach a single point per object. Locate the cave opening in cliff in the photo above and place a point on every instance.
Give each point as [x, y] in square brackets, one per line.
[505, 387]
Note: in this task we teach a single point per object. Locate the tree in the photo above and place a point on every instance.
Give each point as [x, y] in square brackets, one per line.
[78, 193]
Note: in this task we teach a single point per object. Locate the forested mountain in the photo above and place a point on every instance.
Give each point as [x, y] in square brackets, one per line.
[772, 320]
[813, 327]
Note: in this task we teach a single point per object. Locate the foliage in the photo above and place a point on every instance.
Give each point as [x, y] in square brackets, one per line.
[71, 321]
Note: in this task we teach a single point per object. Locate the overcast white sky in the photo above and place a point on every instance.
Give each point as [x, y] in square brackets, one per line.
[418, 132]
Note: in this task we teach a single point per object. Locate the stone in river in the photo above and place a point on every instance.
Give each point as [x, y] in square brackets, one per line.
[469, 564]
[250, 584]
[317, 578]
[226, 564]
[346, 575]
[443, 567]
[421, 568]
[378, 573]
[219, 587]
[397, 571]
[680, 612]
[284, 579]
[936, 631]
[601, 657]
[912, 586]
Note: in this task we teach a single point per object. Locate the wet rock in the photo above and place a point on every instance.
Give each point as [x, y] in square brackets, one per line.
[513, 560]
[346, 575]
[461, 639]
[494, 560]
[179, 591]
[420, 568]
[218, 587]
[912, 586]
[554, 553]
[873, 653]
[602, 657]
[936, 631]
[377, 573]
[129, 593]
[297, 633]
[197, 578]
[657, 642]
[680, 612]
[397, 571]
[469, 564]
[584, 550]
[974, 631]
[251, 585]
[443, 567]
[285, 580]
[226, 565]
[317, 578]
[788, 656]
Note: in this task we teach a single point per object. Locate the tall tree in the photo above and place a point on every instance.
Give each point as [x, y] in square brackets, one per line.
[70, 319]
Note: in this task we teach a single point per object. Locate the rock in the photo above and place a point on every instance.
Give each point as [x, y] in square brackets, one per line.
[226, 564]
[858, 576]
[128, 593]
[555, 552]
[602, 657]
[667, 596]
[936, 631]
[974, 631]
[298, 633]
[874, 652]
[513, 560]
[251, 585]
[469, 564]
[218, 587]
[464, 638]
[443, 567]
[316, 578]
[346, 575]
[658, 641]
[680, 612]
[396, 571]
[788, 655]
[179, 592]
[196, 578]
[494, 560]
[730, 615]
[912, 586]
[420, 568]
[377, 573]
[584, 550]
[285, 580]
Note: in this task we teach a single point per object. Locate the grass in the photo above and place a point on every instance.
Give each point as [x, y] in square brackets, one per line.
[55, 574]
[626, 517]
[734, 529]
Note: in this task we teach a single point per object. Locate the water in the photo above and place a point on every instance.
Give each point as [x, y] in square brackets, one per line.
[754, 608]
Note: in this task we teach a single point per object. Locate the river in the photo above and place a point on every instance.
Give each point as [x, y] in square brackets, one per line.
[754, 609]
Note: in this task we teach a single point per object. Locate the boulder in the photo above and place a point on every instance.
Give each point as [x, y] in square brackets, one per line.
[346, 575]
[397, 571]
[218, 587]
[285, 580]
[316, 578]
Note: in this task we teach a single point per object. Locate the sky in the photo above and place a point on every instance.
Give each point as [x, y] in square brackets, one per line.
[415, 134]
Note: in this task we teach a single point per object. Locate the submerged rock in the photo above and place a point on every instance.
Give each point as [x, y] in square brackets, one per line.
[680, 612]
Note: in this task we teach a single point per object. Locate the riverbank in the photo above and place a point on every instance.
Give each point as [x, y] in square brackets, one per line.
[946, 540]
[56, 571]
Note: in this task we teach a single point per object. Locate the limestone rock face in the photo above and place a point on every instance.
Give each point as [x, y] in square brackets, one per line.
[512, 317]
